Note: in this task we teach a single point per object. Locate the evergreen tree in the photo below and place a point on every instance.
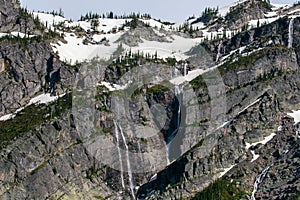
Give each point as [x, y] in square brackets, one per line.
[111, 15]
[95, 23]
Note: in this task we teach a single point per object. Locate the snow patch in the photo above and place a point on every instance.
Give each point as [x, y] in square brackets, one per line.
[49, 19]
[16, 34]
[263, 142]
[43, 98]
[294, 11]
[255, 156]
[155, 24]
[260, 22]
[271, 14]
[224, 10]
[296, 115]
[75, 51]
[12, 115]
[279, 6]
[175, 48]
[258, 180]
[226, 170]
[105, 25]
[113, 87]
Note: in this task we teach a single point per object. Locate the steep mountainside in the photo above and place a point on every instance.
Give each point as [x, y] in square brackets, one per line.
[133, 108]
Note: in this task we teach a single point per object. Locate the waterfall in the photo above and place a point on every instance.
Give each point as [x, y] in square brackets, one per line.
[291, 30]
[168, 152]
[258, 180]
[128, 164]
[119, 152]
[178, 92]
[185, 69]
[219, 52]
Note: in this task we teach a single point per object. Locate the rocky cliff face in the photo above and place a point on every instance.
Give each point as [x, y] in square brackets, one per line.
[257, 79]
[238, 15]
[9, 12]
[15, 18]
[58, 165]
[270, 35]
[241, 14]
[27, 68]
[151, 139]
[28, 64]
[200, 166]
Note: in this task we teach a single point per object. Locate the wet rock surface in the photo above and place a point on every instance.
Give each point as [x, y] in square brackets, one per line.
[212, 118]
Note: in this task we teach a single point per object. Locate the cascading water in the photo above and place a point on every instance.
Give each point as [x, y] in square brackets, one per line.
[119, 152]
[258, 180]
[291, 31]
[178, 92]
[219, 52]
[128, 164]
[185, 69]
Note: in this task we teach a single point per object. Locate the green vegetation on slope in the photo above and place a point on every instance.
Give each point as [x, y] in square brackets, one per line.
[243, 62]
[30, 117]
[220, 190]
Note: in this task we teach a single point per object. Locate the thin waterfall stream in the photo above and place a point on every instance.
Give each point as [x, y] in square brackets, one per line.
[291, 31]
[258, 180]
[128, 163]
[120, 155]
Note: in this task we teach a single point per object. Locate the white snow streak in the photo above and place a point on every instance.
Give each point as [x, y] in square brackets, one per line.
[255, 156]
[263, 142]
[226, 170]
[43, 98]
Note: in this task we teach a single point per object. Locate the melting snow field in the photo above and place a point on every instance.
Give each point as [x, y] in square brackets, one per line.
[43, 98]
[75, 51]
[296, 115]
[175, 48]
[49, 19]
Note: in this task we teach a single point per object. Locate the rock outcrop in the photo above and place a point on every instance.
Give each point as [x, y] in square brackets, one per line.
[140, 31]
[30, 67]
[151, 139]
